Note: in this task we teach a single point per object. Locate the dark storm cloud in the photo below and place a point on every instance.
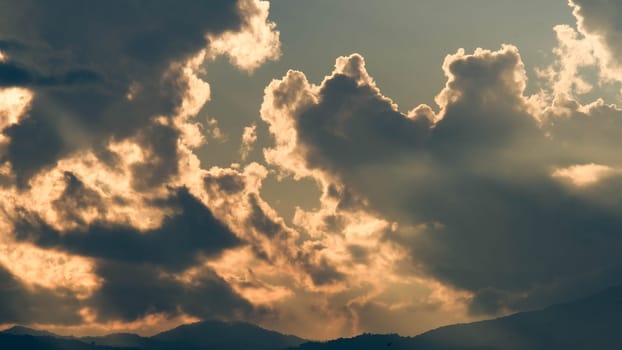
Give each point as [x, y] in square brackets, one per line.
[228, 183]
[95, 52]
[352, 125]
[11, 45]
[359, 253]
[23, 304]
[132, 291]
[262, 222]
[76, 198]
[13, 75]
[160, 143]
[140, 271]
[497, 223]
[129, 292]
[512, 239]
[588, 136]
[324, 274]
[102, 73]
[179, 243]
[355, 125]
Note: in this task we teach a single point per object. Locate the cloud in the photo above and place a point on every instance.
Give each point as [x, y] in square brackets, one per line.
[599, 22]
[180, 241]
[15, 76]
[592, 45]
[147, 263]
[583, 175]
[573, 54]
[13, 104]
[133, 291]
[21, 304]
[469, 187]
[258, 42]
[101, 185]
[146, 48]
[237, 201]
[249, 136]
[328, 260]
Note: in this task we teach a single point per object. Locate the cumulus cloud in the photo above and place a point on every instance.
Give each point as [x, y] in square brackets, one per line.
[68, 118]
[251, 47]
[599, 22]
[470, 186]
[592, 45]
[99, 177]
[330, 260]
[111, 184]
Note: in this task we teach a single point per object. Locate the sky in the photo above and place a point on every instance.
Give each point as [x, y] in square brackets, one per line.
[321, 168]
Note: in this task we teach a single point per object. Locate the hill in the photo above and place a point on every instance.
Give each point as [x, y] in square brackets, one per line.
[220, 335]
[196, 336]
[585, 324]
[590, 323]
[21, 342]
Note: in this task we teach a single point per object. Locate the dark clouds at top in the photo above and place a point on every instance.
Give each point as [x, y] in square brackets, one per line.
[14, 75]
[80, 59]
[353, 125]
[102, 72]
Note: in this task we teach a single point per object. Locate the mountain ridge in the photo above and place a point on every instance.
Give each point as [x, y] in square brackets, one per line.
[23, 330]
[193, 336]
[588, 323]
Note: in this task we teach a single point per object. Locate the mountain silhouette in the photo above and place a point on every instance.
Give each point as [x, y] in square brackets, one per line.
[21, 330]
[196, 336]
[587, 324]
[30, 342]
[221, 335]
[121, 340]
[592, 323]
